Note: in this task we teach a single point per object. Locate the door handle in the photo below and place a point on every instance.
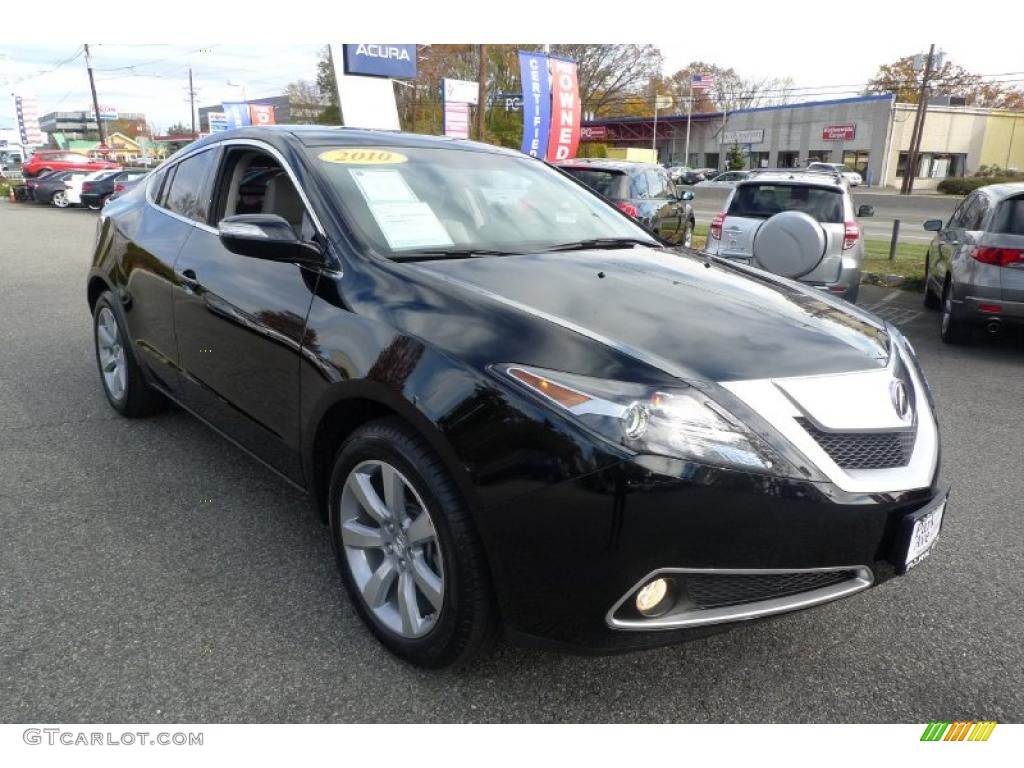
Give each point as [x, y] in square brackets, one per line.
[189, 280]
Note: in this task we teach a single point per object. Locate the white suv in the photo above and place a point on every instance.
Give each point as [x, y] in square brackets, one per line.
[795, 223]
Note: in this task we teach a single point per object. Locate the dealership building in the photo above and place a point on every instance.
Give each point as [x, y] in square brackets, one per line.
[870, 134]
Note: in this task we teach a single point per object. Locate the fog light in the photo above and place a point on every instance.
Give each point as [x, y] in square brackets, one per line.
[652, 599]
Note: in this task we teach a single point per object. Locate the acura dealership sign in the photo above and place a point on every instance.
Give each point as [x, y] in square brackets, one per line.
[752, 136]
[380, 59]
[843, 132]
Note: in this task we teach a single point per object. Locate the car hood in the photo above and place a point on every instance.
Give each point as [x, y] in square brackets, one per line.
[676, 311]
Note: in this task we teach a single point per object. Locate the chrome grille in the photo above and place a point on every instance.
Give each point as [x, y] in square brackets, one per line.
[864, 450]
[717, 590]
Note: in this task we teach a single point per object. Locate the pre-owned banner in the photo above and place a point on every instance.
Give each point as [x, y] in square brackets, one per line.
[27, 114]
[262, 114]
[565, 110]
[533, 69]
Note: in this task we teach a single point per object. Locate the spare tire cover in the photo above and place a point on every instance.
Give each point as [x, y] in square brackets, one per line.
[790, 244]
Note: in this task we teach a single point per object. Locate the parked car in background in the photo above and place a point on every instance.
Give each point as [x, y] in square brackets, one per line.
[974, 270]
[795, 223]
[123, 187]
[33, 182]
[76, 183]
[644, 191]
[689, 176]
[99, 187]
[515, 410]
[46, 160]
[851, 176]
[726, 180]
[53, 189]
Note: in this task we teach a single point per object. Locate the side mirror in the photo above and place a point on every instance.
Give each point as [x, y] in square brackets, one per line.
[865, 210]
[266, 236]
[933, 225]
[686, 196]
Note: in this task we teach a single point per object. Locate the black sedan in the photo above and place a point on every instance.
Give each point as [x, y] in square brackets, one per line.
[96, 191]
[50, 188]
[513, 407]
[644, 191]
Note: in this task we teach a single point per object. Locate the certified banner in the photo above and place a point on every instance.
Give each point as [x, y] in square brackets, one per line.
[27, 114]
[238, 113]
[533, 69]
[565, 110]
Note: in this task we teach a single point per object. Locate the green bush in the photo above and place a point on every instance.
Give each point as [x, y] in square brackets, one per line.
[592, 149]
[967, 184]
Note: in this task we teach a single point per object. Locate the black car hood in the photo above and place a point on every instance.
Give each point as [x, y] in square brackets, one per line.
[669, 309]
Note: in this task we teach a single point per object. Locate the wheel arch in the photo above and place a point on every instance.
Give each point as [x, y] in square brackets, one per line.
[94, 289]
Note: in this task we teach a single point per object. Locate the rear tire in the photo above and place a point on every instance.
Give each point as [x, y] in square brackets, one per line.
[951, 330]
[386, 541]
[120, 375]
[60, 199]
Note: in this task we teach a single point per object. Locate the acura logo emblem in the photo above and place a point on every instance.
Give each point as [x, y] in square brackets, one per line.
[900, 399]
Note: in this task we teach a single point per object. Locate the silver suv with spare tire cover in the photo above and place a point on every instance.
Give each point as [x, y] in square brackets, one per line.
[795, 223]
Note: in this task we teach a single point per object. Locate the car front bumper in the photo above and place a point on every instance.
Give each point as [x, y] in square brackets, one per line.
[566, 558]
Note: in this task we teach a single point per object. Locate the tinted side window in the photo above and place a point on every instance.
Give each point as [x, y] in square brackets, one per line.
[978, 215]
[188, 193]
[638, 187]
[1009, 218]
[963, 213]
[657, 185]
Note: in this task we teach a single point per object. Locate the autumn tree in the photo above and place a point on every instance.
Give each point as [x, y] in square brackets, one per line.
[950, 79]
[305, 103]
[612, 77]
[327, 87]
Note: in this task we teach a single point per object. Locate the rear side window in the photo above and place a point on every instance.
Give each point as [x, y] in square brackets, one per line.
[638, 186]
[187, 194]
[607, 183]
[657, 185]
[761, 201]
[1009, 217]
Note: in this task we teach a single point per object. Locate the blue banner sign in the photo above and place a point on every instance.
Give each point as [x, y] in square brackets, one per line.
[536, 102]
[237, 113]
[380, 59]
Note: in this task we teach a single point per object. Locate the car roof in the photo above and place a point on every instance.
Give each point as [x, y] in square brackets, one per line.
[1001, 191]
[605, 164]
[795, 176]
[340, 136]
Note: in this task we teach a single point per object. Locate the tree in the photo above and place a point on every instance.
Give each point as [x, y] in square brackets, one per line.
[950, 79]
[612, 76]
[179, 129]
[734, 159]
[305, 104]
[327, 85]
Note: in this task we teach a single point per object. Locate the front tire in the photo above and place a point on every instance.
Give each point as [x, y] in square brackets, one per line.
[407, 548]
[120, 375]
[60, 199]
[688, 234]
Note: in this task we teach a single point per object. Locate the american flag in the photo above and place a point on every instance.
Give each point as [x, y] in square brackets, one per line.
[703, 82]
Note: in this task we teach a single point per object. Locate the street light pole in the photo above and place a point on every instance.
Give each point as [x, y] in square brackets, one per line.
[915, 137]
[689, 113]
[95, 101]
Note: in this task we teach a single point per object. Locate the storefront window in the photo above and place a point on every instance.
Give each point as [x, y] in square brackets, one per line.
[789, 159]
[819, 156]
[758, 160]
[934, 165]
[857, 160]
[710, 159]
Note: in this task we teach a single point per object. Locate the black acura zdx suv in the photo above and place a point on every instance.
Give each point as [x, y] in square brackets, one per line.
[514, 408]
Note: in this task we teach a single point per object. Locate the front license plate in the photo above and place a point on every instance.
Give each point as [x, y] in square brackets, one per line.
[923, 535]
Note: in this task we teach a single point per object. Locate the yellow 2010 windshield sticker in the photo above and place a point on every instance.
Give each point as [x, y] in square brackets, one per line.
[363, 156]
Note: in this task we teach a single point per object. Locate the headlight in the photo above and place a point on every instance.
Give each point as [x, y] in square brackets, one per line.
[680, 421]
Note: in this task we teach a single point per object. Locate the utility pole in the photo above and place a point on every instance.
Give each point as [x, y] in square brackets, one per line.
[915, 137]
[95, 101]
[482, 106]
[192, 104]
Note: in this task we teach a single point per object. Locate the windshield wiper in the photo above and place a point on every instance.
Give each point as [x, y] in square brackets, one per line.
[604, 242]
[452, 253]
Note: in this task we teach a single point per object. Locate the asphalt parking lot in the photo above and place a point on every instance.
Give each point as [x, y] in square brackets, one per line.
[150, 572]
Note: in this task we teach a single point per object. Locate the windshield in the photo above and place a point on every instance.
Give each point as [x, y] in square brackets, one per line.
[760, 201]
[407, 199]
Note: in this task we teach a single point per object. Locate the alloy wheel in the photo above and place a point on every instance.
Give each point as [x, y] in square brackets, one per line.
[111, 354]
[688, 239]
[60, 199]
[392, 549]
[947, 310]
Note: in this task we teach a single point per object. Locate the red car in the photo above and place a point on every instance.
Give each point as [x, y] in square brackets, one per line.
[61, 160]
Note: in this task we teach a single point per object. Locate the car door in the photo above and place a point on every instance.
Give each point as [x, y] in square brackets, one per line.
[950, 239]
[240, 322]
[667, 221]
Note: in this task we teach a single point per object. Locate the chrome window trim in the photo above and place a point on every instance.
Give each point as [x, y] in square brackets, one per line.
[255, 144]
[684, 619]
